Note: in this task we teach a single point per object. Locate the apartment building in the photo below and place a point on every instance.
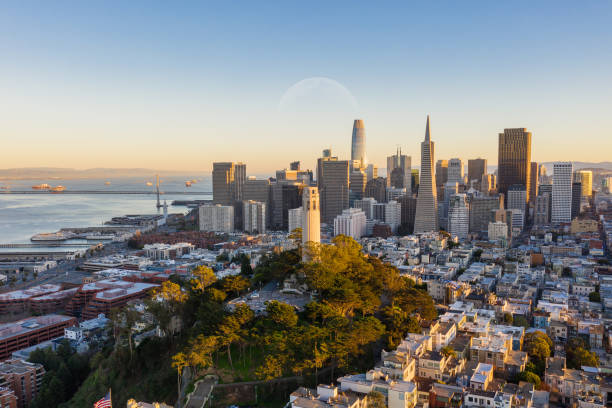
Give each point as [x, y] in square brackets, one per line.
[23, 378]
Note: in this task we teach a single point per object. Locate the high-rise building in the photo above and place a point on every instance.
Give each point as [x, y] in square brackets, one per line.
[517, 221]
[357, 183]
[448, 190]
[399, 172]
[371, 171]
[426, 218]
[576, 199]
[8, 399]
[393, 215]
[480, 211]
[284, 195]
[366, 205]
[334, 189]
[352, 223]
[534, 175]
[408, 204]
[415, 181]
[476, 169]
[441, 172]
[223, 183]
[562, 193]
[541, 212]
[326, 156]
[295, 165]
[239, 180]
[395, 193]
[295, 218]
[517, 198]
[459, 216]
[545, 188]
[455, 171]
[498, 230]
[378, 212]
[23, 378]
[256, 190]
[216, 218]
[311, 221]
[377, 189]
[487, 183]
[254, 217]
[294, 173]
[358, 144]
[585, 177]
[514, 159]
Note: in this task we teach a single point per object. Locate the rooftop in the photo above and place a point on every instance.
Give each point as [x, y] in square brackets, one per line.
[24, 326]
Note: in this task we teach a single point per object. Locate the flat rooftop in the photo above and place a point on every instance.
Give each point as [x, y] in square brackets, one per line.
[21, 327]
[29, 293]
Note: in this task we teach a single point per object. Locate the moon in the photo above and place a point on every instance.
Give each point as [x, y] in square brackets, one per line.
[317, 95]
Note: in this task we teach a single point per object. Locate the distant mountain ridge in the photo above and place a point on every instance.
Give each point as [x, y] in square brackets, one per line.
[68, 173]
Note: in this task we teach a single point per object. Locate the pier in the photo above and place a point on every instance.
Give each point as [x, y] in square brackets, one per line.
[86, 192]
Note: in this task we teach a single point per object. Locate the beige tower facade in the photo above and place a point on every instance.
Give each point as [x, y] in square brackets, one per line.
[426, 218]
[311, 216]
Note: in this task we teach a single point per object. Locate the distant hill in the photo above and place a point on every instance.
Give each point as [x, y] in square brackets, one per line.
[68, 173]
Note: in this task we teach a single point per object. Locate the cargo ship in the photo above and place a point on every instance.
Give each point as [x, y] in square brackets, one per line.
[43, 186]
[58, 189]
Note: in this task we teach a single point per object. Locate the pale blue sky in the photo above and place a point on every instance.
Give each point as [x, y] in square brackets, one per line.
[176, 85]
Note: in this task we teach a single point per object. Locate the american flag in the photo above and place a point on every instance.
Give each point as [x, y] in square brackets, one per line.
[105, 402]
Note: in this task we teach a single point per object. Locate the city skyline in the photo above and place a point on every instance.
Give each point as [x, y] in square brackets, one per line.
[217, 79]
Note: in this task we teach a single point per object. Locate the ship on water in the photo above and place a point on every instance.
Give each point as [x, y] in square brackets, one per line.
[53, 236]
[58, 189]
[188, 183]
[107, 183]
[43, 186]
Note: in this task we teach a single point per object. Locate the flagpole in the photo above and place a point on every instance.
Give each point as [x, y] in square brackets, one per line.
[110, 395]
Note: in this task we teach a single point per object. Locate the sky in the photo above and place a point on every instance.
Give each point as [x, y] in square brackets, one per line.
[178, 85]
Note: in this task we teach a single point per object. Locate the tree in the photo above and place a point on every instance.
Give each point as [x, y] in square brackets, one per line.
[529, 377]
[281, 314]
[179, 362]
[578, 354]
[520, 321]
[203, 277]
[271, 368]
[245, 266]
[235, 284]
[448, 351]
[538, 345]
[222, 257]
[376, 400]
[594, 297]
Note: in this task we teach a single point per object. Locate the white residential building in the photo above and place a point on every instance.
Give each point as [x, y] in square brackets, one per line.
[393, 215]
[562, 193]
[216, 218]
[254, 216]
[352, 222]
[459, 216]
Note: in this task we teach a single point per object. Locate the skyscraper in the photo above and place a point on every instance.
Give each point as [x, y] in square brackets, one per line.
[441, 172]
[223, 183]
[284, 195]
[585, 177]
[455, 171]
[376, 188]
[358, 144]
[517, 198]
[480, 211]
[476, 169]
[534, 175]
[459, 216]
[562, 193]
[254, 217]
[334, 188]
[576, 199]
[357, 183]
[352, 223]
[403, 163]
[311, 221]
[426, 218]
[239, 180]
[514, 159]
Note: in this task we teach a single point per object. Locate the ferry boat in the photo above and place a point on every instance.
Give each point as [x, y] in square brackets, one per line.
[53, 236]
[43, 186]
[58, 189]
